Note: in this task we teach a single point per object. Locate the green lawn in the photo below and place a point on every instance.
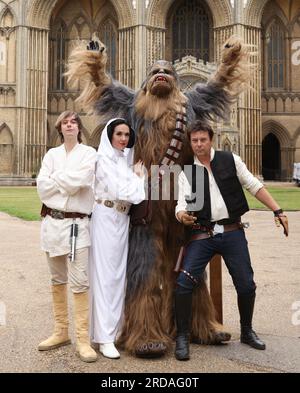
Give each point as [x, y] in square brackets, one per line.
[287, 197]
[23, 202]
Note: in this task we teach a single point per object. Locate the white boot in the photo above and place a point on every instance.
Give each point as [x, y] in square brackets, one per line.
[109, 351]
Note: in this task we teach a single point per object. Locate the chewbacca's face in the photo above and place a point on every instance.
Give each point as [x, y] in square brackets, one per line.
[161, 79]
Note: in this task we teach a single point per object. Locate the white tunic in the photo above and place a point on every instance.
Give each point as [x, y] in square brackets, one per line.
[65, 183]
[115, 180]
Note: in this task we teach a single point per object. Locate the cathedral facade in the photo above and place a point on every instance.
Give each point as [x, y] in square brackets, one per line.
[36, 37]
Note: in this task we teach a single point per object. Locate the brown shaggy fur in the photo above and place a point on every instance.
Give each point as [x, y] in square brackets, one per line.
[88, 68]
[235, 70]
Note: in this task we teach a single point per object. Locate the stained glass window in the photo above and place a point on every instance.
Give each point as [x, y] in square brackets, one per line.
[191, 31]
[108, 36]
[276, 56]
[58, 56]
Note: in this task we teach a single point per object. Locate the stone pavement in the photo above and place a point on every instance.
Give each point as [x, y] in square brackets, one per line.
[24, 292]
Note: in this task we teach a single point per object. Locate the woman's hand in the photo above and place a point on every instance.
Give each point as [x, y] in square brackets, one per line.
[139, 168]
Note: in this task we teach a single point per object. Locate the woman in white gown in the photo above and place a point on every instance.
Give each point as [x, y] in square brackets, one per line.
[118, 184]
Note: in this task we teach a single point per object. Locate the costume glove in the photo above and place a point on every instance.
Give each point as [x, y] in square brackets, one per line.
[281, 219]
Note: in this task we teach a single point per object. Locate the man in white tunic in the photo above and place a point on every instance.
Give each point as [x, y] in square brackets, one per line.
[64, 185]
[117, 186]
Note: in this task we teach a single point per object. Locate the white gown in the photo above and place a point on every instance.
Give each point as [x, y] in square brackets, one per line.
[109, 237]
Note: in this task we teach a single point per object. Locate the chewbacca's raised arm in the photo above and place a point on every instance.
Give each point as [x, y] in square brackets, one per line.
[88, 67]
[231, 78]
[234, 71]
[101, 94]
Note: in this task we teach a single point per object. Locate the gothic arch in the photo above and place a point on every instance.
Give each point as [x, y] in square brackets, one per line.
[275, 31]
[226, 144]
[273, 11]
[6, 150]
[40, 11]
[276, 19]
[287, 148]
[254, 12]
[73, 23]
[295, 20]
[221, 11]
[8, 138]
[279, 131]
[7, 10]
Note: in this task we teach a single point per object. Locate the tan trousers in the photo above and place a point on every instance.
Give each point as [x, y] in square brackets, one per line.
[62, 270]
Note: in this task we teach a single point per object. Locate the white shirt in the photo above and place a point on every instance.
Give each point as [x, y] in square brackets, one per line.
[65, 183]
[218, 208]
[116, 181]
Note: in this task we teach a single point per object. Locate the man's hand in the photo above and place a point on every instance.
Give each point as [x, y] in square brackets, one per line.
[186, 219]
[282, 219]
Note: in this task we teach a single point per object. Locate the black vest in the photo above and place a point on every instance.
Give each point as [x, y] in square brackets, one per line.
[224, 171]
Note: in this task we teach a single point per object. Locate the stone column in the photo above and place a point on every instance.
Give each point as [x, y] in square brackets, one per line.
[249, 105]
[22, 86]
[126, 56]
[156, 37]
[35, 89]
[140, 44]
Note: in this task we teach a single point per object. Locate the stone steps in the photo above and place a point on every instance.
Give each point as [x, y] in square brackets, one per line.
[17, 181]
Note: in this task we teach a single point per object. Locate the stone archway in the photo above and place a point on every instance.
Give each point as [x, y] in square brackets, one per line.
[39, 12]
[282, 166]
[254, 11]
[6, 150]
[271, 160]
[220, 9]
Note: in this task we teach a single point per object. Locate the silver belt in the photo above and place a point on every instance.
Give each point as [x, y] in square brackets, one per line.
[121, 207]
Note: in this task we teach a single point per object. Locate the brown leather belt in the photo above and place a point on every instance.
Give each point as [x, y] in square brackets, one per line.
[209, 231]
[60, 215]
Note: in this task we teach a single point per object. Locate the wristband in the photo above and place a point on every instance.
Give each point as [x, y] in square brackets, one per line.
[277, 212]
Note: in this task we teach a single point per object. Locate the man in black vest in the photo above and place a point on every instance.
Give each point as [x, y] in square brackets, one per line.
[217, 229]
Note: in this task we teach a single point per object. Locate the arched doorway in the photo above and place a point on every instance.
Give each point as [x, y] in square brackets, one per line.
[271, 160]
[6, 150]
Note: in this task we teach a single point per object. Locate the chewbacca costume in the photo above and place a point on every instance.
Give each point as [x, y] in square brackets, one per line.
[158, 112]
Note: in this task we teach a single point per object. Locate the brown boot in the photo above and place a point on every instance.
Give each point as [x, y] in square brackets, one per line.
[60, 335]
[81, 313]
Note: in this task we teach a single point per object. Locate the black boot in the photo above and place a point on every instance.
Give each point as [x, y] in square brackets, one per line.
[248, 335]
[183, 310]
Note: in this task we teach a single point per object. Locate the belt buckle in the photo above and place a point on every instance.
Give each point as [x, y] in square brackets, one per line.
[108, 203]
[121, 208]
[57, 214]
[245, 225]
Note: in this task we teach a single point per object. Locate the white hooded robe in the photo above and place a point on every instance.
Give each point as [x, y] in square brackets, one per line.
[114, 181]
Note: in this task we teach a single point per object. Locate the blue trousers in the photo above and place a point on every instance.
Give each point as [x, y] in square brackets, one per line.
[233, 247]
